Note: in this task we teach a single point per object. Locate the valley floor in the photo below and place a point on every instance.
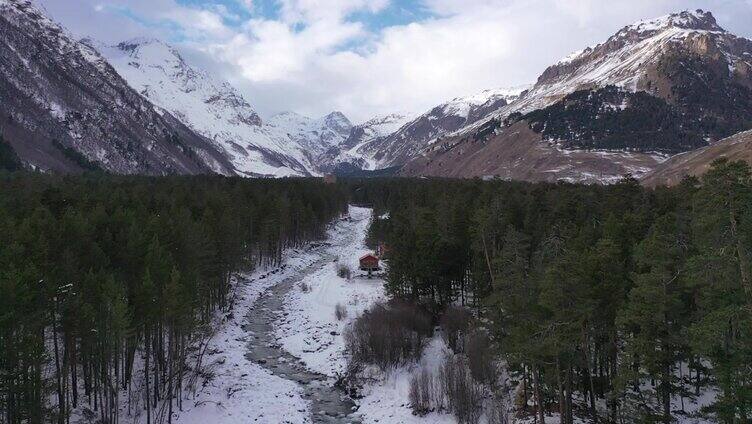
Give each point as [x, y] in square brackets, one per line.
[276, 357]
[288, 377]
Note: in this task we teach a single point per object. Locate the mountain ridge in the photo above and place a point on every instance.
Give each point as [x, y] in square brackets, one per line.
[66, 108]
[654, 88]
[216, 110]
[666, 85]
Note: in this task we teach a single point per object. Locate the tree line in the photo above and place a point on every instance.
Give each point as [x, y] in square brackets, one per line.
[611, 303]
[108, 284]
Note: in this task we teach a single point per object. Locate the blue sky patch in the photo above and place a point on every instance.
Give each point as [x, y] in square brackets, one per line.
[399, 12]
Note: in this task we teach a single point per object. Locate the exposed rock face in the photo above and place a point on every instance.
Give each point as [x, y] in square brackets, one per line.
[66, 109]
[358, 150]
[414, 136]
[657, 87]
[635, 59]
[682, 79]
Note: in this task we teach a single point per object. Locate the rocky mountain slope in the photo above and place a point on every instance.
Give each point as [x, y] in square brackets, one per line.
[517, 152]
[315, 137]
[65, 108]
[644, 57]
[286, 145]
[697, 162]
[356, 151]
[656, 88]
[414, 136]
[663, 86]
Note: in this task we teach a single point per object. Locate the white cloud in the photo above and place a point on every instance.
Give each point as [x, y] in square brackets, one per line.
[315, 57]
[201, 24]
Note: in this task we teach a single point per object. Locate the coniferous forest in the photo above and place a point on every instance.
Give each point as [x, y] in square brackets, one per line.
[606, 301]
[102, 277]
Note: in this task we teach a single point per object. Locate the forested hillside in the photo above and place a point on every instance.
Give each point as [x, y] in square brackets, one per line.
[607, 303]
[103, 277]
[613, 119]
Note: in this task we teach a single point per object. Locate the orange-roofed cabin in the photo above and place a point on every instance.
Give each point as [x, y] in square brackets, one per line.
[369, 263]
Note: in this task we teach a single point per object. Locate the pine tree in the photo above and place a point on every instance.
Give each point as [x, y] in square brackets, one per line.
[656, 315]
[722, 331]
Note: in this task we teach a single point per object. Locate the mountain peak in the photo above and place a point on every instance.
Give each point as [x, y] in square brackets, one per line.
[336, 115]
[337, 121]
[63, 89]
[697, 20]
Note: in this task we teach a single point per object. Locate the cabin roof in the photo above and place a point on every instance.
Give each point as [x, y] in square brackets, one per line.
[369, 255]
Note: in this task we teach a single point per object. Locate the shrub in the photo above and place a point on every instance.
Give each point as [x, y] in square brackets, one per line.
[480, 357]
[388, 334]
[305, 288]
[445, 381]
[438, 395]
[464, 396]
[497, 409]
[421, 392]
[344, 271]
[455, 323]
[340, 312]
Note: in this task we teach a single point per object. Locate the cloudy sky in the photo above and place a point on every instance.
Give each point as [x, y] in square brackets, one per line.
[368, 57]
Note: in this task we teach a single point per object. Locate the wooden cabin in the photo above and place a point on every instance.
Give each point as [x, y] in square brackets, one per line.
[370, 263]
[330, 179]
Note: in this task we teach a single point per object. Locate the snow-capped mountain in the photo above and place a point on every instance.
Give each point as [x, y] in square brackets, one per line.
[671, 84]
[414, 136]
[315, 136]
[655, 88]
[287, 145]
[66, 109]
[633, 58]
[354, 153]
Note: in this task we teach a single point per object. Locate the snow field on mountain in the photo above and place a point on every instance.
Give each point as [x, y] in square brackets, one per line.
[287, 145]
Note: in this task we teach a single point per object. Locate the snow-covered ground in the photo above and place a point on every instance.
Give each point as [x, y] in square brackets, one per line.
[243, 391]
[387, 400]
[239, 390]
[310, 330]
